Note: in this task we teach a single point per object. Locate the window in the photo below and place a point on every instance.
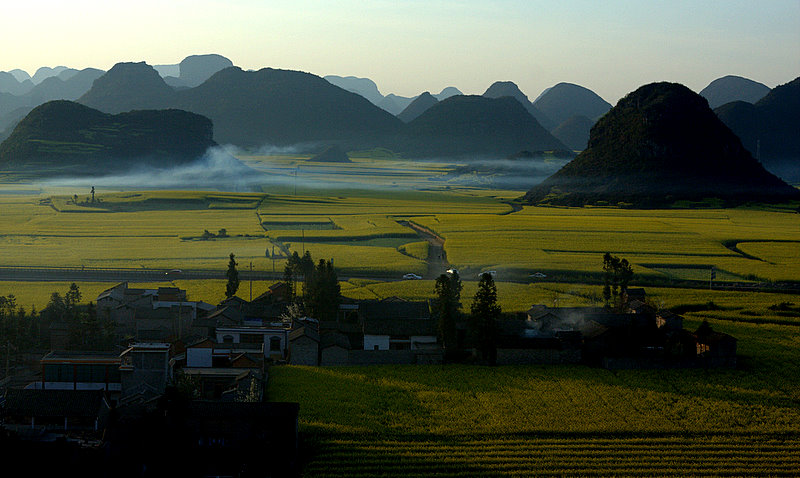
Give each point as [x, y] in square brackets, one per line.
[274, 344]
[251, 338]
[227, 339]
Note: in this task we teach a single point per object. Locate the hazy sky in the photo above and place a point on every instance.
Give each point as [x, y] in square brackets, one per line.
[409, 46]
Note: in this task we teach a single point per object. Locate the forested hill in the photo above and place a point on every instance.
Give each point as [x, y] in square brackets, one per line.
[770, 129]
[660, 144]
[64, 134]
[475, 125]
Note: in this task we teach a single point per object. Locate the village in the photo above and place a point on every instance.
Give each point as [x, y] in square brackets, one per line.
[198, 372]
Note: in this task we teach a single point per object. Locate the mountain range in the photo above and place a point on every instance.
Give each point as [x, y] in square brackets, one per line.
[770, 128]
[392, 103]
[733, 88]
[64, 136]
[661, 144]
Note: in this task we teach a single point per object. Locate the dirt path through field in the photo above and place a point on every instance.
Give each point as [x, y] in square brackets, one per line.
[437, 259]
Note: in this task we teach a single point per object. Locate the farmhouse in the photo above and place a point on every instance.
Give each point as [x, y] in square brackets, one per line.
[150, 314]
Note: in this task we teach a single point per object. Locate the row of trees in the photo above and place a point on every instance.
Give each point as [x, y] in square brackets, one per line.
[485, 312]
[25, 331]
[320, 294]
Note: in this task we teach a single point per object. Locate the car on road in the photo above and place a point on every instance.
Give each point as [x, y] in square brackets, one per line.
[173, 273]
[411, 276]
[538, 275]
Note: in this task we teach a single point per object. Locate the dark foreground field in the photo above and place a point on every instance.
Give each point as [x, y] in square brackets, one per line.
[461, 420]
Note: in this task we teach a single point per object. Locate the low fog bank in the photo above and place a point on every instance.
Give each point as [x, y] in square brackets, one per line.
[515, 174]
[217, 169]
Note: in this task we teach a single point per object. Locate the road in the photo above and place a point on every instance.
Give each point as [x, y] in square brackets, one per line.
[93, 274]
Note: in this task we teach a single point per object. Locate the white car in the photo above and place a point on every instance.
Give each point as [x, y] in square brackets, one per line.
[411, 276]
[538, 275]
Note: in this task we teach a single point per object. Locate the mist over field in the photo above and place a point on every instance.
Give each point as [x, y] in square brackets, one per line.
[506, 173]
[218, 169]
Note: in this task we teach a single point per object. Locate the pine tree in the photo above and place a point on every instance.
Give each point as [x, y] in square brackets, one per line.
[448, 292]
[233, 278]
[323, 296]
[485, 316]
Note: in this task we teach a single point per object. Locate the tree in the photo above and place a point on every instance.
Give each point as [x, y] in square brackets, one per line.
[485, 315]
[72, 298]
[233, 278]
[448, 292]
[305, 267]
[617, 275]
[323, 295]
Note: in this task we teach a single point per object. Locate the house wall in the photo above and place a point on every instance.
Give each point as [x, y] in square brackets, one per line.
[304, 351]
[199, 357]
[381, 357]
[370, 341]
[334, 355]
[421, 339]
[281, 335]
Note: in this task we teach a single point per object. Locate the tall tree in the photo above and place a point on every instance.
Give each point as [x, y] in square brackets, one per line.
[233, 278]
[485, 316]
[290, 273]
[324, 294]
[71, 300]
[305, 267]
[448, 292]
[617, 275]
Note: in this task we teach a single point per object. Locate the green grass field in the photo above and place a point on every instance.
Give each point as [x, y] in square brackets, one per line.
[467, 420]
[460, 420]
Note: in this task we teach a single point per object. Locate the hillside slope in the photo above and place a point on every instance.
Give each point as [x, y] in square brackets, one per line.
[661, 144]
[64, 135]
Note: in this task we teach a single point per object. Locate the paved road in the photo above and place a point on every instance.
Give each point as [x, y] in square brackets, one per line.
[64, 274]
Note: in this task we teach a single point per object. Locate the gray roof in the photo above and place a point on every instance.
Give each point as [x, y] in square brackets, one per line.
[393, 308]
[331, 339]
[400, 327]
[309, 332]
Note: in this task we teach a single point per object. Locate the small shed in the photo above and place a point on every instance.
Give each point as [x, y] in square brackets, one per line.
[304, 346]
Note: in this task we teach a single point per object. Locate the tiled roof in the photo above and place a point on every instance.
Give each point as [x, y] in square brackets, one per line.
[400, 327]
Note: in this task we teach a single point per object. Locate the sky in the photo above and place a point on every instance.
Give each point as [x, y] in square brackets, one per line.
[410, 46]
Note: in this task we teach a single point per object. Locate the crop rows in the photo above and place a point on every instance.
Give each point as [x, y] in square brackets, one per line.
[545, 456]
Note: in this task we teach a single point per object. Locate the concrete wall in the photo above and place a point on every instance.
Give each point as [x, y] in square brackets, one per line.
[537, 356]
[422, 339]
[303, 351]
[199, 357]
[381, 357]
[335, 355]
[370, 341]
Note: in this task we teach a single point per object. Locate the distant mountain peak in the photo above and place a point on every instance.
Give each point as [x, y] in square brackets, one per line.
[733, 88]
[565, 100]
[420, 104]
[128, 86]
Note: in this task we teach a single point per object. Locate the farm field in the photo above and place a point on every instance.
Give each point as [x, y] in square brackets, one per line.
[361, 233]
[458, 420]
[467, 420]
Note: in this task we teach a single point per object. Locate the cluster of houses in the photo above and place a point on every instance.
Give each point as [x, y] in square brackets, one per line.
[220, 356]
